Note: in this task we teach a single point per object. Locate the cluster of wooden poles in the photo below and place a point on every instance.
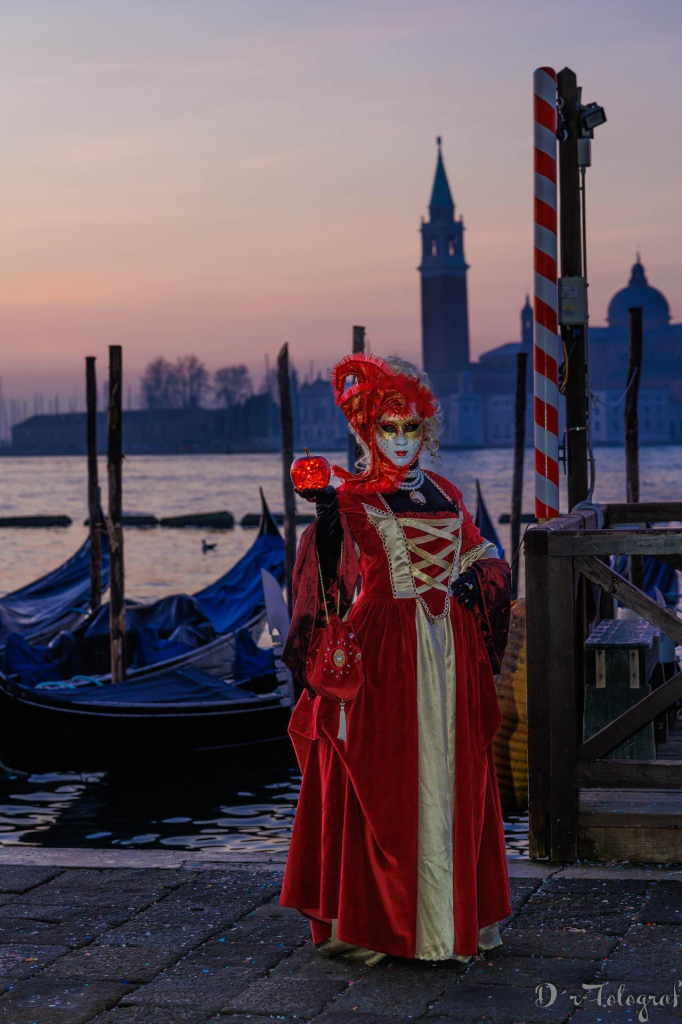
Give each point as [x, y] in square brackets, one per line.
[113, 524]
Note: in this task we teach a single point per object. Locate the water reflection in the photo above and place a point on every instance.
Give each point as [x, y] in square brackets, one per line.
[196, 806]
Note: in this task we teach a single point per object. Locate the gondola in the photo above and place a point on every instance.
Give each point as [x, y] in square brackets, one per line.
[168, 714]
[80, 725]
[196, 630]
[57, 601]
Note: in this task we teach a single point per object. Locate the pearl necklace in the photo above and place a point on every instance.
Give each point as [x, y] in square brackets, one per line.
[412, 482]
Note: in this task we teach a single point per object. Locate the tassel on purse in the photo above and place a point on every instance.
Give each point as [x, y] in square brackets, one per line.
[334, 664]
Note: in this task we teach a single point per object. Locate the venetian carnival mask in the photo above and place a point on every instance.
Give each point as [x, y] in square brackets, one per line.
[400, 438]
[386, 409]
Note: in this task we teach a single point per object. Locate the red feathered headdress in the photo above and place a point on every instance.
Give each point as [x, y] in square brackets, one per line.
[377, 389]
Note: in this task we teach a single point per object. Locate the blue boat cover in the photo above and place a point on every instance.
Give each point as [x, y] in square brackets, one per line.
[656, 574]
[156, 632]
[236, 597]
[250, 660]
[39, 605]
[178, 685]
[485, 523]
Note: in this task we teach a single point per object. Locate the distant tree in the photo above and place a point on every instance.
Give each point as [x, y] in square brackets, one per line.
[269, 385]
[194, 379]
[160, 384]
[232, 384]
[167, 385]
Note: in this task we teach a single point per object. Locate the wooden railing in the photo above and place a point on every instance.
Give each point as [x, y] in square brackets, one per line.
[569, 588]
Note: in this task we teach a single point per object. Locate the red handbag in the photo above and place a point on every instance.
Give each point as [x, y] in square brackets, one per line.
[334, 664]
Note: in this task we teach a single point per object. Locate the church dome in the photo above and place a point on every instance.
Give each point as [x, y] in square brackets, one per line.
[655, 308]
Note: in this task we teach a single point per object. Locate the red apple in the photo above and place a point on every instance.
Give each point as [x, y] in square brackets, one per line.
[312, 472]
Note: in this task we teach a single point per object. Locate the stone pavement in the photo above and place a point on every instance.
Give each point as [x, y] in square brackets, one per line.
[162, 938]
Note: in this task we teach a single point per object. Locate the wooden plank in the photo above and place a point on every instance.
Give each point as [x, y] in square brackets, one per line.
[537, 655]
[629, 595]
[617, 774]
[631, 808]
[619, 633]
[565, 727]
[631, 720]
[630, 845]
[657, 543]
[536, 537]
[644, 512]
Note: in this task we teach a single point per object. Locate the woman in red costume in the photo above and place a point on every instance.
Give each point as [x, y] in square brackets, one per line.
[398, 843]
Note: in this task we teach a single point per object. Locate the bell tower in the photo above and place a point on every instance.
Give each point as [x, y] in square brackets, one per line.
[445, 316]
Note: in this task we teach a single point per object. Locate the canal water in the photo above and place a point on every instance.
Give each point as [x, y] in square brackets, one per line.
[233, 805]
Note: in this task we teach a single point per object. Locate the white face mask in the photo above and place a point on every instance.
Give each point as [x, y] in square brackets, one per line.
[400, 439]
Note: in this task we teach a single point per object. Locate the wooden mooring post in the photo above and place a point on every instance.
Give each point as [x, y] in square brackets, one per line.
[287, 422]
[631, 422]
[579, 803]
[519, 447]
[117, 614]
[353, 446]
[94, 504]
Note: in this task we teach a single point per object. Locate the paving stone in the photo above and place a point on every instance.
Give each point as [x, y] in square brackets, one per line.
[56, 925]
[57, 1001]
[131, 964]
[532, 970]
[405, 987]
[579, 943]
[247, 947]
[22, 961]
[303, 996]
[141, 932]
[647, 953]
[334, 1016]
[595, 910]
[663, 904]
[126, 878]
[495, 1004]
[612, 886]
[20, 878]
[156, 1015]
[55, 894]
[308, 961]
[225, 898]
[207, 992]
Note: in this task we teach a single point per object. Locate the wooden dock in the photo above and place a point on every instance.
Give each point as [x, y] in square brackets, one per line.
[641, 825]
[583, 801]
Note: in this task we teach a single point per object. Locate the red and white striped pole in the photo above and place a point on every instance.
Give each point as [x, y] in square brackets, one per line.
[545, 346]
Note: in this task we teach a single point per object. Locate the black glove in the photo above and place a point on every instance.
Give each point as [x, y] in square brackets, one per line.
[328, 530]
[466, 589]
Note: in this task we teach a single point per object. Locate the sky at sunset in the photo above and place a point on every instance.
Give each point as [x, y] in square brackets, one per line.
[221, 177]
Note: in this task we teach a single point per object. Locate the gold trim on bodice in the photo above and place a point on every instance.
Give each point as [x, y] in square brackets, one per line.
[408, 578]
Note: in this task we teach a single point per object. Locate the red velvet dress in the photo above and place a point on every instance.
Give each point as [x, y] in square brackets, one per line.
[398, 835]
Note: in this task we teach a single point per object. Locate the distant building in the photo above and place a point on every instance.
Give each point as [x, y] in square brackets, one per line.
[321, 423]
[443, 269]
[252, 426]
[659, 417]
[661, 339]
